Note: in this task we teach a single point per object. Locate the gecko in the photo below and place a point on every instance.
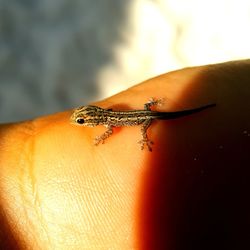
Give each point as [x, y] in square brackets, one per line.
[91, 116]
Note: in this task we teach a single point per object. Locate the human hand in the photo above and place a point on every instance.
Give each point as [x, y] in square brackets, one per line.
[59, 191]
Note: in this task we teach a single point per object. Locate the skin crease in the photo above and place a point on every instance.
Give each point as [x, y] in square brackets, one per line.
[59, 191]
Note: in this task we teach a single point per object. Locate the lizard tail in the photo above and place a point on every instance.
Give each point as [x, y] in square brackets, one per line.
[177, 114]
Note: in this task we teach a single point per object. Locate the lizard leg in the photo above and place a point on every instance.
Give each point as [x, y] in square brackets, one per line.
[145, 140]
[104, 136]
[152, 102]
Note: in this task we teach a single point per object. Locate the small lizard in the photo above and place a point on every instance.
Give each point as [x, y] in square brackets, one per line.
[91, 116]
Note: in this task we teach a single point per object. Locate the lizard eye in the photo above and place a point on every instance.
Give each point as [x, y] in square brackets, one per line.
[80, 120]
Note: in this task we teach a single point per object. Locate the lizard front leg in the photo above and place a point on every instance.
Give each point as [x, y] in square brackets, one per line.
[104, 136]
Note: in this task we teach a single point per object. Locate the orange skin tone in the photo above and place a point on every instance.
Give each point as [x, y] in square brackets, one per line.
[59, 191]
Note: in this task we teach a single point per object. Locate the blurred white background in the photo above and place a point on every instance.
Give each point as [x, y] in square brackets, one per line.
[59, 54]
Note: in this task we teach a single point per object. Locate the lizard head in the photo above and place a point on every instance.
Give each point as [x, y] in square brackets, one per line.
[88, 116]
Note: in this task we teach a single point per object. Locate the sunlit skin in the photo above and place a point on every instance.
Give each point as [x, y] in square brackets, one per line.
[60, 191]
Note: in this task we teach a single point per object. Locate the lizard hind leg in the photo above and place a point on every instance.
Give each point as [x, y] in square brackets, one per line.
[152, 102]
[145, 141]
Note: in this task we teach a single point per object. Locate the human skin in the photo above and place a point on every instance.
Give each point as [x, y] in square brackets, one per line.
[60, 191]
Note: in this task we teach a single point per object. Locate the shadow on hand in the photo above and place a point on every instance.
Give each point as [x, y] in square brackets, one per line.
[195, 192]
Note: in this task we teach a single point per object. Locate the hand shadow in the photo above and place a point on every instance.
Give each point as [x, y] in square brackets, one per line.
[194, 194]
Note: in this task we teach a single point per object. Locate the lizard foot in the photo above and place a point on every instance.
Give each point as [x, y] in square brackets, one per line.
[146, 142]
[98, 140]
